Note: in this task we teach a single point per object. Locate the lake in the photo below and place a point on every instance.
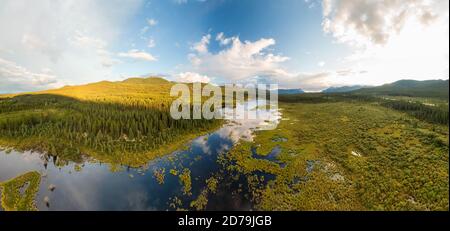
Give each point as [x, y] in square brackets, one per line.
[98, 186]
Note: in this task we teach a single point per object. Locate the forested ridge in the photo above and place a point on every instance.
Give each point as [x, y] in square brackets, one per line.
[121, 122]
[433, 113]
[411, 88]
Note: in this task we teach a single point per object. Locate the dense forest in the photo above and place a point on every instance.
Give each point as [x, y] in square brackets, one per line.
[410, 88]
[411, 105]
[420, 111]
[110, 127]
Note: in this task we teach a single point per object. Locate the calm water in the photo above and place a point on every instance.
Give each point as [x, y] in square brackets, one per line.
[96, 187]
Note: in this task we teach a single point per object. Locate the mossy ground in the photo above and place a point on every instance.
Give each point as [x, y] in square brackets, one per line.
[18, 194]
[348, 156]
[185, 179]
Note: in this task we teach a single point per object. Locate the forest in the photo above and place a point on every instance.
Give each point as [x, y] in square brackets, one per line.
[415, 106]
[122, 129]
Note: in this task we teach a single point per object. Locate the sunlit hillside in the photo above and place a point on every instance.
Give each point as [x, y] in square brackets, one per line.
[124, 122]
[147, 91]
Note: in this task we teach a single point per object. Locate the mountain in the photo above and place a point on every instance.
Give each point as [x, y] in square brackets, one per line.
[413, 88]
[149, 80]
[290, 91]
[153, 89]
[343, 89]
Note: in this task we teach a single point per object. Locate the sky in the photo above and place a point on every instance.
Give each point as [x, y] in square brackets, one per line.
[308, 44]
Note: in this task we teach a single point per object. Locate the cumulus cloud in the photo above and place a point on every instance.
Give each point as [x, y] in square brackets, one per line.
[238, 61]
[369, 21]
[221, 38]
[139, 55]
[249, 62]
[15, 78]
[191, 77]
[73, 38]
[202, 46]
[390, 40]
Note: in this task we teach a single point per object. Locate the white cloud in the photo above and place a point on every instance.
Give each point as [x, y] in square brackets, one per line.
[250, 61]
[152, 22]
[151, 43]
[35, 43]
[191, 77]
[309, 81]
[321, 64]
[14, 78]
[367, 21]
[99, 46]
[239, 61]
[391, 40]
[202, 46]
[311, 3]
[73, 38]
[137, 54]
[221, 38]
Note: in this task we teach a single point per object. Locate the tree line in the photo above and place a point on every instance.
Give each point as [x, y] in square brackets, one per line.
[61, 125]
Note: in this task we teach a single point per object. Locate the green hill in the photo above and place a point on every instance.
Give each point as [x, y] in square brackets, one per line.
[411, 88]
[150, 80]
[149, 91]
[125, 122]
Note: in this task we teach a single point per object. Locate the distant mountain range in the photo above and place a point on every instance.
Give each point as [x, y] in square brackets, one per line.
[290, 91]
[343, 89]
[412, 88]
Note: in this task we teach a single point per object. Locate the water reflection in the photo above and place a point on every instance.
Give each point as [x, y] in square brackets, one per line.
[93, 186]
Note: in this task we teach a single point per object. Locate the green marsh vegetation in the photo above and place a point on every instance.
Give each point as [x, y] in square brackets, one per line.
[185, 180]
[349, 152]
[18, 194]
[201, 201]
[159, 175]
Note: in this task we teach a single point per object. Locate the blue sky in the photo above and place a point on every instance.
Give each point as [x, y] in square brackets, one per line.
[308, 44]
[294, 26]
